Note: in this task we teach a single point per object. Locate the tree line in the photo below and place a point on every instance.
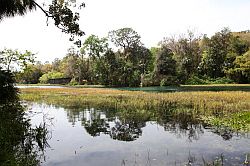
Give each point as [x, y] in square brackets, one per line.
[121, 59]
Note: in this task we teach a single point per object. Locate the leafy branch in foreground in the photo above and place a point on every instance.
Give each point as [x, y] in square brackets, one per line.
[59, 10]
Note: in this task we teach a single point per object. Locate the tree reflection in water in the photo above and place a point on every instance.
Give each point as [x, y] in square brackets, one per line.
[20, 144]
[126, 125]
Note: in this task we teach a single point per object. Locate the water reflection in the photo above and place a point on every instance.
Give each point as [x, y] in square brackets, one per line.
[126, 125]
[20, 142]
[97, 122]
[135, 137]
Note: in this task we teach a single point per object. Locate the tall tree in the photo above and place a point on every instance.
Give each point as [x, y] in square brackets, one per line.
[127, 40]
[165, 64]
[187, 52]
[94, 46]
[214, 58]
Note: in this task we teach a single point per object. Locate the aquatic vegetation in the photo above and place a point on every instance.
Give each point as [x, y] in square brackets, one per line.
[239, 121]
[206, 101]
[222, 105]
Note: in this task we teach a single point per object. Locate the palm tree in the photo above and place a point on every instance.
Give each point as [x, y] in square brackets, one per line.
[11, 8]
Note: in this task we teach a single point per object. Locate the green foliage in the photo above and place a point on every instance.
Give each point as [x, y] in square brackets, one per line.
[59, 10]
[186, 53]
[10, 8]
[51, 75]
[165, 64]
[14, 59]
[165, 68]
[239, 46]
[240, 73]
[148, 80]
[65, 19]
[94, 46]
[125, 38]
[184, 60]
[214, 57]
[222, 80]
[20, 143]
[239, 121]
[7, 89]
[169, 80]
[195, 80]
[73, 82]
[30, 75]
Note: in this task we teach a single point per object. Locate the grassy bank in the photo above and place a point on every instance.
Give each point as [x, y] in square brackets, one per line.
[223, 105]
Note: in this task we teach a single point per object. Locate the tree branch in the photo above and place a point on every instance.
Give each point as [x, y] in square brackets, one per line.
[44, 11]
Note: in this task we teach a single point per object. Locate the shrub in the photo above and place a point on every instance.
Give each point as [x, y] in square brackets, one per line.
[50, 75]
[73, 82]
[169, 81]
[222, 80]
[194, 80]
[147, 80]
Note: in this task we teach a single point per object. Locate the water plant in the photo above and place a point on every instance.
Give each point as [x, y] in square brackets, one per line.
[230, 107]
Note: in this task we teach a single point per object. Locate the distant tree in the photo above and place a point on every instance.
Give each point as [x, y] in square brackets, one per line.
[30, 74]
[240, 73]
[165, 63]
[127, 40]
[143, 60]
[94, 46]
[187, 53]
[14, 59]
[239, 46]
[214, 58]
[134, 59]
[56, 64]
[154, 51]
[69, 64]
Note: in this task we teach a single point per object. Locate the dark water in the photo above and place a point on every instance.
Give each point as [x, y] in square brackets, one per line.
[189, 88]
[95, 137]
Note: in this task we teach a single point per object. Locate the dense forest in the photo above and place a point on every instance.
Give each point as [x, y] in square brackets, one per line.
[121, 59]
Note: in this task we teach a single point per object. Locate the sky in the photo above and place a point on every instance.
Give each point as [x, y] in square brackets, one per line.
[152, 19]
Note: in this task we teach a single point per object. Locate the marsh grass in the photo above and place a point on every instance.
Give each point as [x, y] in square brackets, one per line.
[226, 108]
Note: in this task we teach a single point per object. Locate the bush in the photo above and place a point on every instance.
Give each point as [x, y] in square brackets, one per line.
[73, 82]
[147, 80]
[222, 80]
[50, 75]
[169, 81]
[194, 80]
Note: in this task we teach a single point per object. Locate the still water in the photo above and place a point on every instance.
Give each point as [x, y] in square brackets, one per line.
[96, 137]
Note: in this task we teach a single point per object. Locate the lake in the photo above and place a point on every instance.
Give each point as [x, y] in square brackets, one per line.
[94, 137]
